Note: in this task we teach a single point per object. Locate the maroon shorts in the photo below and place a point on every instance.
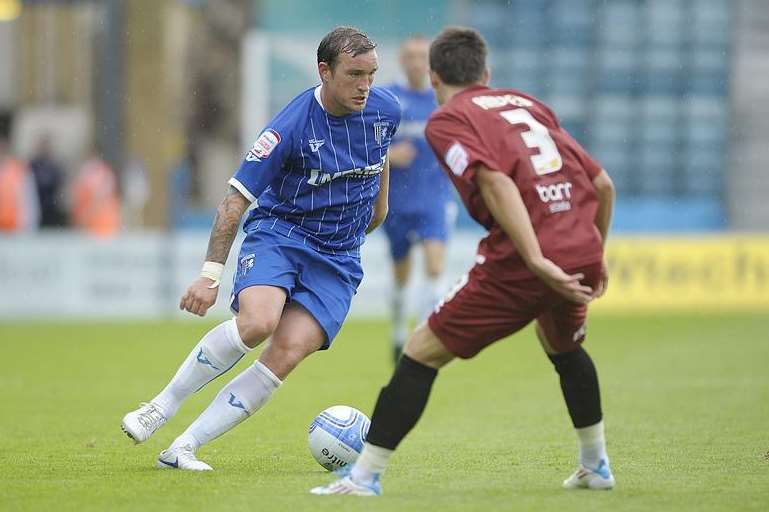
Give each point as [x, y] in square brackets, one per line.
[482, 309]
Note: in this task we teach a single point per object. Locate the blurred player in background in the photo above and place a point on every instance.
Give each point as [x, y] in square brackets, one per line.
[318, 174]
[547, 207]
[419, 192]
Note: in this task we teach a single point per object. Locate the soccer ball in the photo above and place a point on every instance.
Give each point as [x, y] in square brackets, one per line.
[337, 435]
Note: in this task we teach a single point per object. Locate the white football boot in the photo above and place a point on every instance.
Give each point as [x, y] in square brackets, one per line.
[585, 478]
[182, 457]
[346, 485]
[140, 424]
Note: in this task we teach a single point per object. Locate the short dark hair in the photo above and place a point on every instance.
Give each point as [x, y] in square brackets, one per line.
[458, 56]
[343, 39]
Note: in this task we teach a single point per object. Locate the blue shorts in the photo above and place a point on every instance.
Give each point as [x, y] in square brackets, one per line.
[406, 229]
[323, 284]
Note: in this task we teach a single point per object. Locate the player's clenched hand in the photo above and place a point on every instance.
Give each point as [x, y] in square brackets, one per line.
[199, 297]
[603, 282]
[567, 285]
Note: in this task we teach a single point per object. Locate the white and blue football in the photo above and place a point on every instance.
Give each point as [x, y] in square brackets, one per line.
[337, 435]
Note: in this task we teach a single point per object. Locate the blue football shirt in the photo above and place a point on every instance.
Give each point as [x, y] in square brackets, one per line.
[315, 176]
[422, 186]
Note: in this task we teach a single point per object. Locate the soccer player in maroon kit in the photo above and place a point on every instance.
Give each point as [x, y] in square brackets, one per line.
[547, 207]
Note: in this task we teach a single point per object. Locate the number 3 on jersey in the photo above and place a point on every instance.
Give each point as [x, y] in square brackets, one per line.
[536, 137]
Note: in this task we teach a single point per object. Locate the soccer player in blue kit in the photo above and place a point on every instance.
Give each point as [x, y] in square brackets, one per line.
[420, 204]
[318, 175]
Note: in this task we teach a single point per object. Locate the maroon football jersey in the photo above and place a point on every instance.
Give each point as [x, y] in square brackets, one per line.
[511, 132]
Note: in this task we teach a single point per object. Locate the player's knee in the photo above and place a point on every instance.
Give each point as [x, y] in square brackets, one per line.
[401, 270]
[434, 268]
[287, 351]
[424, 347]
[254, 328]
[434, 259]
[435, 271]
[542, 337]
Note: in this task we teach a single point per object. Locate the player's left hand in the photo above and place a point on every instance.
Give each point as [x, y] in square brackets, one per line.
[603, 281]
[199, 297]
[567, 285]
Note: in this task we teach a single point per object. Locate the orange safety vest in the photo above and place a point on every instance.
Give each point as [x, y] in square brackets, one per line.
[95, 204]
[13, 174]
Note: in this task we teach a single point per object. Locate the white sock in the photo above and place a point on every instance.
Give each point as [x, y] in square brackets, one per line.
[399, 317]
[371, 463]
[430, 296]
[216, 353]
[592, 445]
[239, 399]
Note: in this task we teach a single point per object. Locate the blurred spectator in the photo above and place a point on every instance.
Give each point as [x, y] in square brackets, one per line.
[95, 202]
[19, 207]
[49, 178]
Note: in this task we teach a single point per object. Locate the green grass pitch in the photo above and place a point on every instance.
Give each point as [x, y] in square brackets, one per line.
[686, 399]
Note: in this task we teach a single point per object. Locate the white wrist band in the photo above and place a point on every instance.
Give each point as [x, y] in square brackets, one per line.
[213, 271]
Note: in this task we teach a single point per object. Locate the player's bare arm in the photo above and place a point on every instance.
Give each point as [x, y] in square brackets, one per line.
[201, 294]
[504, 202]
[226, 223]
[605, 189]
[381, 205]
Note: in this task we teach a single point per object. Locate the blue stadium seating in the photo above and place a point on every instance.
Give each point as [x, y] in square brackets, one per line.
[643, 84]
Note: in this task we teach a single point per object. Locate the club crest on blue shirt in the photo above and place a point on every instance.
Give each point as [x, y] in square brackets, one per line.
[382, 132]
[315, 144]
[264, 145]
[246, 264]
